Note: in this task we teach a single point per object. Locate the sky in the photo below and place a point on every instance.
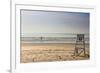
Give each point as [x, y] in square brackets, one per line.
[54, 22]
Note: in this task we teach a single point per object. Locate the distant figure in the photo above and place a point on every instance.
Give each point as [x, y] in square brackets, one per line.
[41, 38]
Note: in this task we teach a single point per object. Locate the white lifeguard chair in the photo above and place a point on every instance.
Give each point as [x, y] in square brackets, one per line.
[80, 45]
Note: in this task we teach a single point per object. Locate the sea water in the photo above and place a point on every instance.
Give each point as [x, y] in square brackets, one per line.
[51, 38]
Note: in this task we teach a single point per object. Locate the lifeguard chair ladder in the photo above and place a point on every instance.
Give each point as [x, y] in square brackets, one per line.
[80, 45]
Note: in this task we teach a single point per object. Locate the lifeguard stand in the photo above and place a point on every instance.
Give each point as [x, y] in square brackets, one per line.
[80, 45]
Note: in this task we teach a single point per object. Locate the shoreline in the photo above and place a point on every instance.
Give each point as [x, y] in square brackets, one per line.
[47, 43]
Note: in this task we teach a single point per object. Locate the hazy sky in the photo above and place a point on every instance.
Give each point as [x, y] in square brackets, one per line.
[54, 22]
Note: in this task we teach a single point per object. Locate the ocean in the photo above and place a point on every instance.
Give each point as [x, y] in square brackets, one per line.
[51, 38]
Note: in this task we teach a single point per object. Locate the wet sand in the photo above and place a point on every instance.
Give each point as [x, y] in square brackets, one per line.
[42, 52]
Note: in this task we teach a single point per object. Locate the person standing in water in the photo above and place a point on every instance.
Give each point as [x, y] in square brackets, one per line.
[41, 38]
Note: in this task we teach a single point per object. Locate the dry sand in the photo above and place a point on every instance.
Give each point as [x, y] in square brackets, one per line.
[41, 52]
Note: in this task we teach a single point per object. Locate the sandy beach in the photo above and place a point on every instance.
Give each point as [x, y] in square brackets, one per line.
[42, 52]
